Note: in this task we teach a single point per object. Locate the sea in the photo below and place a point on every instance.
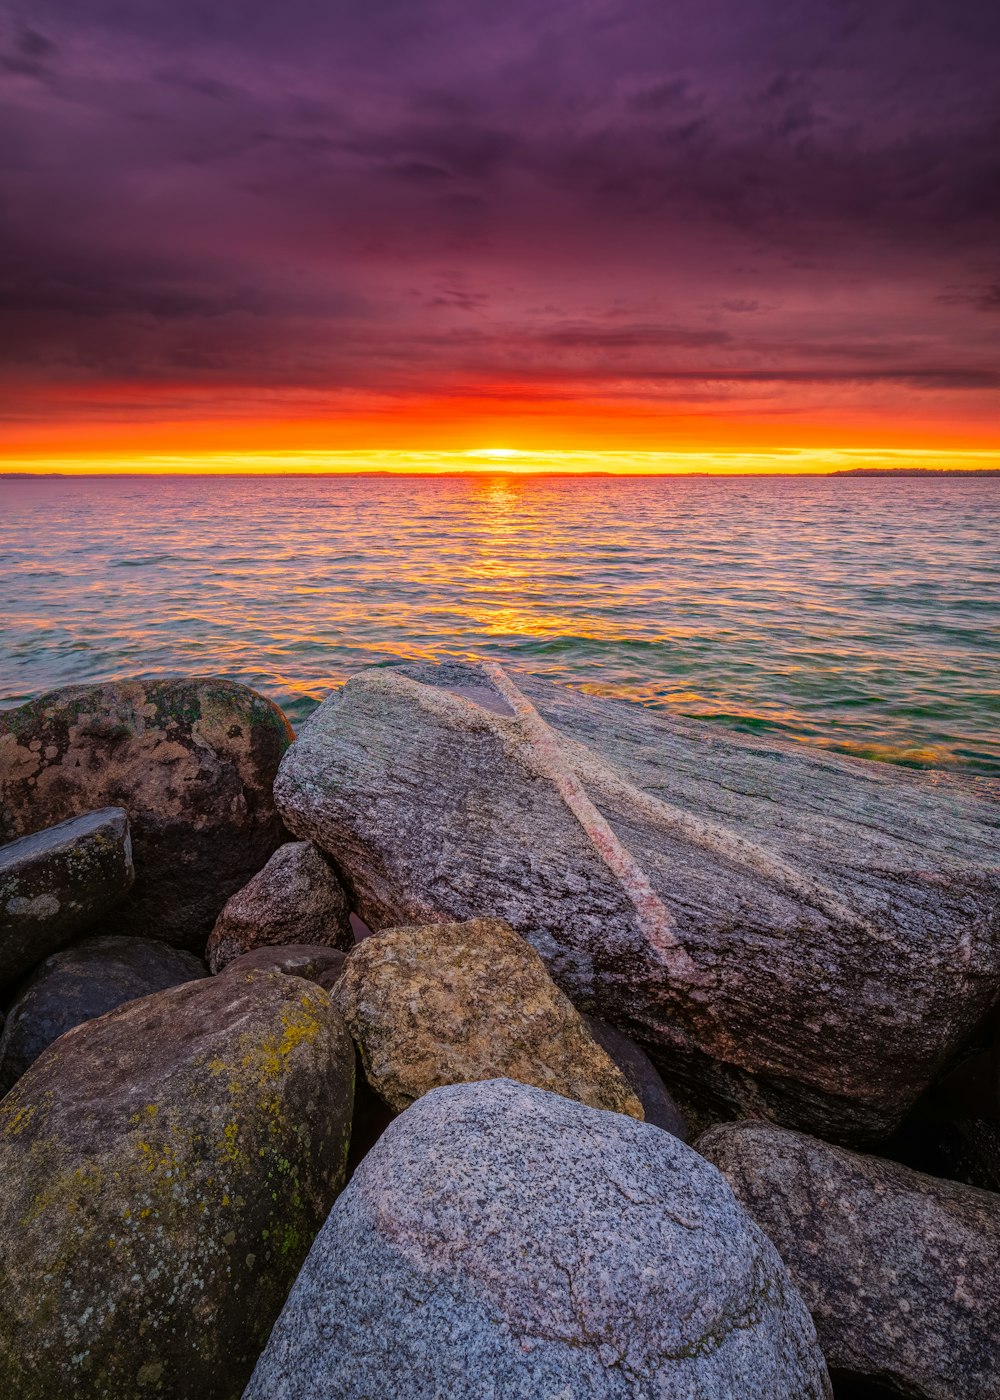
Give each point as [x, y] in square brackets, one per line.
[857, 613]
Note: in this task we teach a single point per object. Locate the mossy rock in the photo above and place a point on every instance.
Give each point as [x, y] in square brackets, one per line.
[191, 760]
[165, 1170]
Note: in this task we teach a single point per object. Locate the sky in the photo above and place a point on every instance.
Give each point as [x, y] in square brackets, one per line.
[325, 231]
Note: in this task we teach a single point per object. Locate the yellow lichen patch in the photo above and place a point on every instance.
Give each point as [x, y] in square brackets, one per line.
[18, 1119]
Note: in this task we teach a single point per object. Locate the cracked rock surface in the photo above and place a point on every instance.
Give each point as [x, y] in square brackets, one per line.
[898, 1269]
[502, 1241]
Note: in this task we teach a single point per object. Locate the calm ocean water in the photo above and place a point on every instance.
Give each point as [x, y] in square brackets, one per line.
[859, 614]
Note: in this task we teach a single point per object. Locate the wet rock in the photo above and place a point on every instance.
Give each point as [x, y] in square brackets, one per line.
[898, 1269]
[81, 983]
[296, 898]
[696, 887]
[657, 1105]
[499, 1240]
[192, 761]
[165, 1169]
[320, 965]
[449, 1003]
[56, 883]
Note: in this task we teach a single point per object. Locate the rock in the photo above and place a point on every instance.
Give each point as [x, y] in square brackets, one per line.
[165, 1169]
[658, 1107]
[81, 983]
[57, 882]
[192, 761]
[320, 965]
[450, 1003]
[787, 931]
[296, 898]
[499, 1240]
[898, 1269]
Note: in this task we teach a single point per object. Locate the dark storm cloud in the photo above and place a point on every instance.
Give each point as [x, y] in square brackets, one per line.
[306, 193]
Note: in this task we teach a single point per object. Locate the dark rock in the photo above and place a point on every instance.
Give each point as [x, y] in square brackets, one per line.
[84, 982]
[657, 1105]
[503, 1241]
[786, 931]
[320, 965]
[191, 760]
[296, 898]
[58, 882]
[449, 1003]
[898, 1269]
[165, 1169]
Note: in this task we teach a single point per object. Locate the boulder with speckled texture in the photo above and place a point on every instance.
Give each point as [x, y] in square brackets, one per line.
[450, 1003]
[898, 1269]
[502, 1241]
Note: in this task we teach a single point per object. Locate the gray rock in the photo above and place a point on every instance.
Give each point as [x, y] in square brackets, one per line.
[787, 930]
[501, 1241]
[316, 964]
[191, 760]
[165, 1169]
[898, 1269]
[84, 982]
[657, 1105]
[58, 882]
[296, 898]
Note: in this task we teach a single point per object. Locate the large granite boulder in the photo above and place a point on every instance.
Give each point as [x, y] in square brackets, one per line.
[502, 1241]
[296, 898]
[450, 1003]
[56, 883]
[81, 983]
[899, 1270]
[791, 932]
[192, 761]
[165, 1169]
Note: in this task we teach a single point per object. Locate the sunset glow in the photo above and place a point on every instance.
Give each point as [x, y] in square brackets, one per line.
[711, 238]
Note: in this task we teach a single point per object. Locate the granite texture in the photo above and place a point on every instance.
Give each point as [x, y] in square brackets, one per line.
[787, 932]
[449, 1003]
[898, 1269]
[503, 1243]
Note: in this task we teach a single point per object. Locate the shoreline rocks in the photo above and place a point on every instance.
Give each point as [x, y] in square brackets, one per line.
[450, 1003]
[165, 1168]
[56, 883]
[501, 1240]
[192, 760]
[295, 898]
[81, 983]
[787, 931]
[898, 1269]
